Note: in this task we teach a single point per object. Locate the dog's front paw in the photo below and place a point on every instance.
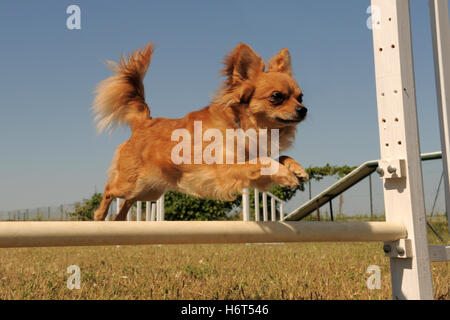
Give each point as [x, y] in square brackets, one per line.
[294, 167]
[300, 173]
[286, 178]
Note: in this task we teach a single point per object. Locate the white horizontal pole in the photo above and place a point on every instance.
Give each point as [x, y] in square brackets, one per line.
[91, 233]
[275, 197]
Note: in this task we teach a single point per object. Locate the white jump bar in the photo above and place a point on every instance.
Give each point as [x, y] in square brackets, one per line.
[82, 233]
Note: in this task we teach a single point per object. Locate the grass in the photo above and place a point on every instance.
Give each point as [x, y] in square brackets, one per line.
[283, 271]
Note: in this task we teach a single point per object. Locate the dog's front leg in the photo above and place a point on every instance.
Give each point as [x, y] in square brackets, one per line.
[262, 175]
[294, 167]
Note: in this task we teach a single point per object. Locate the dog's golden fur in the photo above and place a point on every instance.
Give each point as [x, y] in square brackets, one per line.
[142, 168]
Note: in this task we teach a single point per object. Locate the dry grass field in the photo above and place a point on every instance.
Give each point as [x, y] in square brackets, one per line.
[277, 271]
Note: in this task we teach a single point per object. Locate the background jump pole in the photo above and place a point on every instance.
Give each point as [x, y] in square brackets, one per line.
[440, 31]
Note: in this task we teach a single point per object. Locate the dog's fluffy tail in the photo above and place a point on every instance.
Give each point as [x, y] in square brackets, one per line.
[120, 98]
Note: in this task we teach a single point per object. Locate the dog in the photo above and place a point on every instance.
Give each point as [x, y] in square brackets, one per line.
[252, 96]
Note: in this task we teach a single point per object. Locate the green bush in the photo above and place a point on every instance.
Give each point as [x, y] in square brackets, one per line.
[178, 206]
[85, 210]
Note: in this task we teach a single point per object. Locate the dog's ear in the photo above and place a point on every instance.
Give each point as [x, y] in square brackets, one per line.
[281, 62]
[241, 64]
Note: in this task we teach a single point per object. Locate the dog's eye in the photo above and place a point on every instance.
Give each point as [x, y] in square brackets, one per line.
[276, 98]
[300, 98]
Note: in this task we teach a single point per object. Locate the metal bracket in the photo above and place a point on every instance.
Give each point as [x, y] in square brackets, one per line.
[398, 249]
[390, 169]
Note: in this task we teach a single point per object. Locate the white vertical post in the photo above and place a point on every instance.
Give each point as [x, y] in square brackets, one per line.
[273, 212]
[148, 206]
[117, 205]
[257, 217]
[130, 214]
[108, 215]
[399, 140]
[281, 212]
[264, 200]
[153, 215]
[440, 31]
[139, 211]
[158, 209]
[162, 207]
[245, 204]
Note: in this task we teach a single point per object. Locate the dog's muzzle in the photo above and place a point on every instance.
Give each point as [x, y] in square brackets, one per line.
[301, 112]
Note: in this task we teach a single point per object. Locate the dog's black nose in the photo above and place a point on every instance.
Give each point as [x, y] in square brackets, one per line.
[301, 111]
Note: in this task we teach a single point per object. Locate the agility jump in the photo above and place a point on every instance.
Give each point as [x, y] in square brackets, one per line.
[404, 231]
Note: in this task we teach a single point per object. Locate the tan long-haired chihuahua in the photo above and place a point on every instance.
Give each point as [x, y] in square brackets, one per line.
[253, 97]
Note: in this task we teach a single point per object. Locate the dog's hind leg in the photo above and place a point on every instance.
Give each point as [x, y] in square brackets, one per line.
[102, 211]
[126, 205]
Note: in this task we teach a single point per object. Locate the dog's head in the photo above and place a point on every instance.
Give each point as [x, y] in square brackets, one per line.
[273, 96]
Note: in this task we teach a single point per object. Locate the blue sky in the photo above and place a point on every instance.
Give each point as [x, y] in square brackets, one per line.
[50, 152]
